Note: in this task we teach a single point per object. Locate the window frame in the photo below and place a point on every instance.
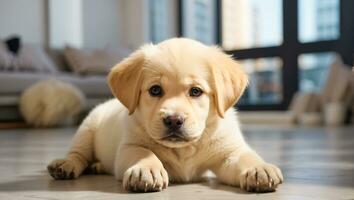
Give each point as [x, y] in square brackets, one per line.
[344, 46]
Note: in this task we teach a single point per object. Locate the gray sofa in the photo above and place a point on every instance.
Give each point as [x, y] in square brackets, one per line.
[12, 84]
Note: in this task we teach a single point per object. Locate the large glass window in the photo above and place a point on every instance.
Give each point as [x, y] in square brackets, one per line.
[158, 20]
[251, 23]
[265, 81]
[318, 20]
[313, 70]
[199, 20]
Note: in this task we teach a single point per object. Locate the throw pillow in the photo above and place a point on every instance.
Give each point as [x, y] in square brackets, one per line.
[5, 57]
[31, 58]
[98, 61]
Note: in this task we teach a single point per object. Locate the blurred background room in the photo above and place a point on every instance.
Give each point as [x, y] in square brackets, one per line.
[287, 47]
[298, 55]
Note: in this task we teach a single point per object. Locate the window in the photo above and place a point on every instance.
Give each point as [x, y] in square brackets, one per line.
[313, 70]
[264, 81]
[161, 20]
[251, 23]
[158, 21]
[65, 29]
[199, 20]
[284, 45]
[318, 20]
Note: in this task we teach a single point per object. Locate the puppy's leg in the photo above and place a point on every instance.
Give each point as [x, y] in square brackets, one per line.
[246, 169]
[140, 169]
[95, 168]
[78, 158]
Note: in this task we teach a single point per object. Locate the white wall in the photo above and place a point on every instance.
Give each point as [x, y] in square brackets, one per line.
[25, 18]
[65, 23]
[133, 15]
[173, 25]
[83, 23]
[100, 23]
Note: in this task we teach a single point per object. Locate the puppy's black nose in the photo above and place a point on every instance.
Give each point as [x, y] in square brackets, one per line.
[173, 121]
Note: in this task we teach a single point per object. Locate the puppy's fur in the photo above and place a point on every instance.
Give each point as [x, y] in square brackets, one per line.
[128, 137]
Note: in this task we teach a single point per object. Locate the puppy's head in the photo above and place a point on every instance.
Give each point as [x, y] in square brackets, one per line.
[174, 89]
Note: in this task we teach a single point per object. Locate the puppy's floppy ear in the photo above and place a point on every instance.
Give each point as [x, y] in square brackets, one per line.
[125, 80]
[229, 80]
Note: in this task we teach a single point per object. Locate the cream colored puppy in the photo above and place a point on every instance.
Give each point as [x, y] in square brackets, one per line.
[174, 121]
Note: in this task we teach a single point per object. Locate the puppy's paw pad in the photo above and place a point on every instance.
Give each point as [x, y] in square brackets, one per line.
[142, 179]
[62, 169]
[262, 178]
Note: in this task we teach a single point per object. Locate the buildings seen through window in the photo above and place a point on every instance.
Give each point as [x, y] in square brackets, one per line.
[199, 22]
[318, 20]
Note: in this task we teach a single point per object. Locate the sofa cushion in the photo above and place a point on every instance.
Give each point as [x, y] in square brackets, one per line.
[88, 62]
[97, 61]
[58, 58]
[92, 86]
[6, 56]
[33, 58]
[28, 58]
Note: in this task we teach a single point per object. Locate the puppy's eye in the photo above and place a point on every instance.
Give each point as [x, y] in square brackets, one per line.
[156, 91]
[195, 92]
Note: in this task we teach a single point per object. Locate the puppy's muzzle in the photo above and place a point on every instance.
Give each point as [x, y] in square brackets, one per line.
[174, 124]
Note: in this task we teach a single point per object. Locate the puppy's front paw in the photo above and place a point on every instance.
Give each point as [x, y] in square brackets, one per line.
[145, 179]
[262, 178]
[62, 169]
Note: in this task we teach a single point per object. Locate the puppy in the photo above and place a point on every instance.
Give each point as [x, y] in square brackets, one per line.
[173, 122]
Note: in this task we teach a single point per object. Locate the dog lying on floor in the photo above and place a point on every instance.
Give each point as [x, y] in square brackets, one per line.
[174, 121]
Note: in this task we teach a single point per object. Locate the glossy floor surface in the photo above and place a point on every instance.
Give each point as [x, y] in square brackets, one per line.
[318, 163]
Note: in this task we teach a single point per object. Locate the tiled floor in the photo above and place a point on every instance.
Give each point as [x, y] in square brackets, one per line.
[318, 163]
